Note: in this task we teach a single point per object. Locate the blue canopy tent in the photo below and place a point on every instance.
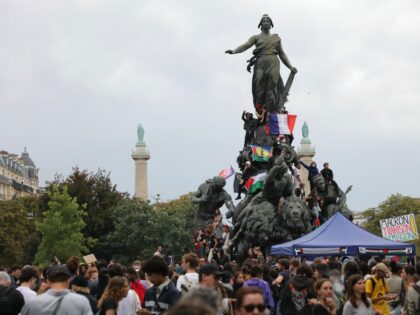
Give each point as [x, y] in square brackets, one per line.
[340, 237]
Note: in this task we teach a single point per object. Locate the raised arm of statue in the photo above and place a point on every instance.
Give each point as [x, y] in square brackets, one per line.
[284, 59]
[196, 196]
[202, 194]
[243, 47]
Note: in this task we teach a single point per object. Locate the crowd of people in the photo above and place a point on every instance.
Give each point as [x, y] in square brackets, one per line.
[196, 285]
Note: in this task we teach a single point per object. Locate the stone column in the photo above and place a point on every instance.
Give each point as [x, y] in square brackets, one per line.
[141, 156]
[306, 153]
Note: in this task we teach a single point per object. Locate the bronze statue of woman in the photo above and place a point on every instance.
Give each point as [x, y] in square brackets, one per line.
[267, 85]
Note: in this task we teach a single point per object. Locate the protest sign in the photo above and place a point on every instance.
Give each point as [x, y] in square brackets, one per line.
[89, 259]
[400, 229]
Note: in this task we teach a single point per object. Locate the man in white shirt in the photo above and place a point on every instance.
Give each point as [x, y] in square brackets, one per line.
[189, 264]
[27, 283]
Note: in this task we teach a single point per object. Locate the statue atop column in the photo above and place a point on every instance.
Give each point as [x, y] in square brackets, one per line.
[140, 136]
[268, 89]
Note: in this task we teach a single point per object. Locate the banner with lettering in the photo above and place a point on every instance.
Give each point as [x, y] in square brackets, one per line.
[400, 229]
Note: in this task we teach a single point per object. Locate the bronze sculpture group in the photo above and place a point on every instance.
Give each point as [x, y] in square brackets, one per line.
[273, 214]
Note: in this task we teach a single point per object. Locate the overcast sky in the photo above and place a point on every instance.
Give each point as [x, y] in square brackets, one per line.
[76, 77]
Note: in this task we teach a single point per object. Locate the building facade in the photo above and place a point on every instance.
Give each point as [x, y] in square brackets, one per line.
[18, 176]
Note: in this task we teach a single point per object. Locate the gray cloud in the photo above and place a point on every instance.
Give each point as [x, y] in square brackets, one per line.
[77, 77]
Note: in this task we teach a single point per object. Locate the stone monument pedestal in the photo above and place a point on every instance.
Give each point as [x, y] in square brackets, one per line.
[141, 156]
[306, 153]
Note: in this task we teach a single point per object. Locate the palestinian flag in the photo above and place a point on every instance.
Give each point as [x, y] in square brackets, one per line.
[261, 154]
[255, 183]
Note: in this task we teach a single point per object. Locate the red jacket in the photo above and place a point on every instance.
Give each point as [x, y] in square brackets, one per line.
[140, 290]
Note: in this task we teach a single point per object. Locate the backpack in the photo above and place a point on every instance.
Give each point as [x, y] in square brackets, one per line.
[374, 283]
[5, 305]
[185, 287]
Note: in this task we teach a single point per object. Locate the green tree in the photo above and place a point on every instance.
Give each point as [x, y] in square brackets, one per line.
[96, 193]
[130, 239]
[393, 206]
[61, 228]
[140, 227]
[15, 227]
[174, 223]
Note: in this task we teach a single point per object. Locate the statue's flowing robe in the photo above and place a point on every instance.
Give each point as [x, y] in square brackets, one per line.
[266, 81]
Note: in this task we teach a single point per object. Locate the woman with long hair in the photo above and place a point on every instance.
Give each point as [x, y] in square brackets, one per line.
[115, 291]
[357, 300]
[325, 304]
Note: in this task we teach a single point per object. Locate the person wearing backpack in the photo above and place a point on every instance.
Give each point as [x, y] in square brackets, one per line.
[190, 278]
[378, 291]
[412, 299]
[11, 300]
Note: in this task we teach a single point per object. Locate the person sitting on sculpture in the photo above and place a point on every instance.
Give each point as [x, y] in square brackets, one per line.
[210, 196]
[300, 191]
[241, 160]
[237, 187]
[267, 85]
[312, 171]
[250, 124]
[278, 146]
[249, 171]
[328, 174]
[261, 114]
[314, 203]
[296, 175]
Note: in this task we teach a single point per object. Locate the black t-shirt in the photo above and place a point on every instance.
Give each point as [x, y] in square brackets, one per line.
[11, 301]
[318, 309]
[109, 304]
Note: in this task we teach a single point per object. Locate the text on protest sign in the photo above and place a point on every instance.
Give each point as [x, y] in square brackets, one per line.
[400, 229]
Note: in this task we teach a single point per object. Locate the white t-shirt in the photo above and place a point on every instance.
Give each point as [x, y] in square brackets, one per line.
[28, 294]
[189, 276]
[130, 305]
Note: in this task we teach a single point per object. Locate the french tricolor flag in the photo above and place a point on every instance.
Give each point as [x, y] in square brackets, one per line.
[281, 124]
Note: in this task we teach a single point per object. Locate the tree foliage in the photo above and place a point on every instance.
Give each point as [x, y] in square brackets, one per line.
[61, 228]
[140, 227]
[394, 206]
[15, 227]
[96, 193]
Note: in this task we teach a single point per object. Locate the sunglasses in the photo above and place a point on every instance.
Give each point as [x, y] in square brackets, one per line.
[250, 307]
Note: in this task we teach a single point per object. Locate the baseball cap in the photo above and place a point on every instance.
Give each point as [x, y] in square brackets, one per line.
[381, 267]
[210, 269]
